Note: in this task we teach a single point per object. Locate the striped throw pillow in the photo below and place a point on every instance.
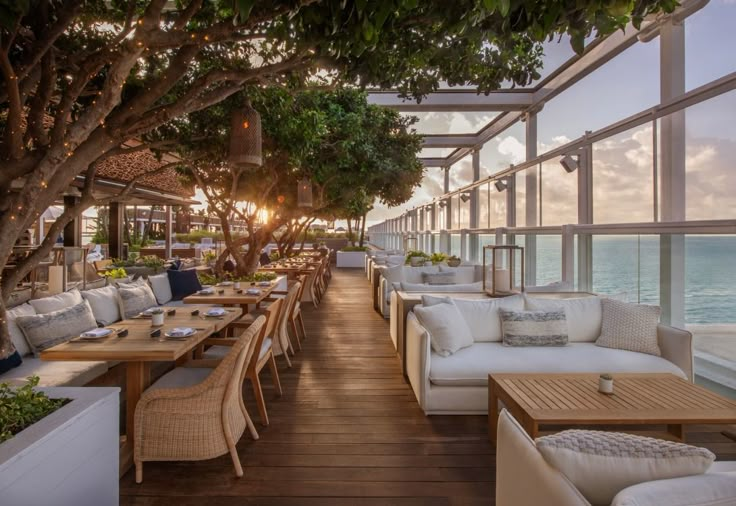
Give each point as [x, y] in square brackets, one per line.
[533, 328]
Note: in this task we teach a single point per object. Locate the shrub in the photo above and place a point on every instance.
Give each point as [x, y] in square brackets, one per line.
[21, 407]
[414, 254]
[438, 258]
[355, 248]
[118, 273]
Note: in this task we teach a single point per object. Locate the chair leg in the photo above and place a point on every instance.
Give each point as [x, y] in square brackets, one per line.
[236, 461]
[275, 372]
[260, 401]
[138, 471]
[301, 325]
[248, 420]
[292, 323]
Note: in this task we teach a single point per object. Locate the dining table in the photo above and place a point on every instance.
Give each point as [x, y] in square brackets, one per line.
[138, 349]
[225, 294]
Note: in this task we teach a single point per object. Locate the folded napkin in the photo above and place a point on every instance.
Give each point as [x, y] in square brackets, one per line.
[207, 291]
[252, 291]
[181, 331]
[215, 311]
[96, 333]
[264, 283]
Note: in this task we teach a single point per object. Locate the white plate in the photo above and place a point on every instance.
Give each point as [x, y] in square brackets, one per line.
[179, 336]
[253, 291]
[206, 292]
[226, 283]
[264, 283]
[215, 312]
[100, 336]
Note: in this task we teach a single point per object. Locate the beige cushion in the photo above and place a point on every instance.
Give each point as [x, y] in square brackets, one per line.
[43, 331]
[439, 278]
[16, 334]
[59, 373]
[464, 274]
[533, 328]
[627, 326]
[601, 464]
[104, 304]
[481, 315]
[711, 489]
[583, 315]
[134, 300]
[56, 302]
[447, 329]
[161, 287]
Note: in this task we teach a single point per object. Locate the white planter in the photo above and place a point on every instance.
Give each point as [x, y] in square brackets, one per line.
[351, 259]
[69, 458]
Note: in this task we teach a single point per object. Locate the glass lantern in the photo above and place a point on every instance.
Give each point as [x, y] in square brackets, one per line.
[503, 270]
[411, 243]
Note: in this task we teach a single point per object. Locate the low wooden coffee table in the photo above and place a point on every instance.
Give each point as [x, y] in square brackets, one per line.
[574, 400]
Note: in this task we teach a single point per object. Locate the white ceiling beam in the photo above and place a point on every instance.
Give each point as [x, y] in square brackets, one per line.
[455, 101]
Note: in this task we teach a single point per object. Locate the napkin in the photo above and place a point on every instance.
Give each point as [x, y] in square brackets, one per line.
[96, 333]
[207, 291]
[181, 331]
[252, 291]
[215, 311]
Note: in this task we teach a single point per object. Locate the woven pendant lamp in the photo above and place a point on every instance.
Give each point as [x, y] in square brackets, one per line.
[246, 138]
[304, 193]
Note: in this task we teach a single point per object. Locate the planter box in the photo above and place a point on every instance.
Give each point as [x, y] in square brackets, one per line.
[351, 259]
[69, 458]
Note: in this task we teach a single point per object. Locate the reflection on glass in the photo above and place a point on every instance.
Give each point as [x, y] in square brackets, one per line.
[559, 195]
[626, 267]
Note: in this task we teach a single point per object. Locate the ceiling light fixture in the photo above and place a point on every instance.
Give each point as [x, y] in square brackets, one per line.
[501, 184]
[570, 163]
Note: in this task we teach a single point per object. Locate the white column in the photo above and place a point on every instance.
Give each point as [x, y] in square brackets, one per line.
[474, 241]
[585, 216]
[532, 193]
[672, 174]
[169, 232]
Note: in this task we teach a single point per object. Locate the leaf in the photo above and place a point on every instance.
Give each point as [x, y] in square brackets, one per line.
[244, 7]
[490, 5]
[368, 30]
[504, 6]
[577, 41]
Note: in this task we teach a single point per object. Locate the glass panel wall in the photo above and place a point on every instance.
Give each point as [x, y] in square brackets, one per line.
[559, 198]
[484, 218]
[626, 267]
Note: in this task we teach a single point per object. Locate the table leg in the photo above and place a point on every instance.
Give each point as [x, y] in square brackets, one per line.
[532, 428]
[677, 430]
[138, 377]
[492, 411]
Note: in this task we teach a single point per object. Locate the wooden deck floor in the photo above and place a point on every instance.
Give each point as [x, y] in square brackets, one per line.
[348, 431]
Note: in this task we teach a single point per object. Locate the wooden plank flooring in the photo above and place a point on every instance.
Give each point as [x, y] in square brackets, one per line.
[348, 430]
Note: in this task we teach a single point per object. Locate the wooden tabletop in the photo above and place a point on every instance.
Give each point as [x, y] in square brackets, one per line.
[138, 345]
[230, 297]
[637, 399]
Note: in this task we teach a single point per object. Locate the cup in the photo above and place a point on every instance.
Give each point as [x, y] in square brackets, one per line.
[236, 285]
[157, 319]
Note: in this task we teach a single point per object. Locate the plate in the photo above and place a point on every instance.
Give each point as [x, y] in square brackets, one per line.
[215, 312]
[205, 292]
[264, 283]
[106, 333]
[226, 283]
[253, 291]
[179, 336]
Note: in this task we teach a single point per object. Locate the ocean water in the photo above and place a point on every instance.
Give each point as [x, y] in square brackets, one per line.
[628, 267]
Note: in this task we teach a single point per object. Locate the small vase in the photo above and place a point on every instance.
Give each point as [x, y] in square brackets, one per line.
[236, 285]
[157, 320]
[605, 386]
[416, 261]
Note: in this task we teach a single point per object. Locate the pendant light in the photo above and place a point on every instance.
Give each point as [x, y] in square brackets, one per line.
[245, 138]
[304, 192]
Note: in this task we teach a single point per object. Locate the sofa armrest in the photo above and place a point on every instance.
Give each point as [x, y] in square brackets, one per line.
[418, 352]
[676, 346]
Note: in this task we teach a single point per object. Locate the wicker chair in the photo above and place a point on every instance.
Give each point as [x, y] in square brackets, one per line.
[197, 412]
[296, 314]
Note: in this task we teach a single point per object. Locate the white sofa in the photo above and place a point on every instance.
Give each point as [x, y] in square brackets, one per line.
[467, 278]
[458, 384]
[519, 464]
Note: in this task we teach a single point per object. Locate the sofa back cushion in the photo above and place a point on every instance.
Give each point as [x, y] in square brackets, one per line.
[533, 328]
[56, 302]
[183, 283]
[161, 287]
[104, 304]
[447, 329]
[583, 315]
[394, 274]
[16, 334]
[464, 274]
[43, 331]
[481, 315]
[421, 287]
[627, 326]
[133, 301]
[439, 278]
[416, 274]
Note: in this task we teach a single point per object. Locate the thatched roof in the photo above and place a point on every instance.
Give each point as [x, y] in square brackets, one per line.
[124, 168]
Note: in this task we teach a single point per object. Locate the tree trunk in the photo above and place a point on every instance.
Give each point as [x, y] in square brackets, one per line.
[362, 231]
[148, 227]
[350, 232]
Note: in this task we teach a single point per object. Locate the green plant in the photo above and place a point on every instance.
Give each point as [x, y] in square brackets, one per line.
[414, 254]
[438, 258]
[117, 273]
[157, 310]
[152, 261]
[274, 256]
[21, 407]
[209, 256]
[606, 376]
[209, 279]
[355, 248]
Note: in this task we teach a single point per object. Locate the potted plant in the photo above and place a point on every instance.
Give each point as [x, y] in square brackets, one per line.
[438, 258]
[157, 317]
[416, 258]
[352, 257]
[453, 261]
[42, 429]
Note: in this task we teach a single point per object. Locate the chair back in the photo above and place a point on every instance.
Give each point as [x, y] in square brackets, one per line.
[241, 354]
[273, 311]
[286, 313]
[302, 278]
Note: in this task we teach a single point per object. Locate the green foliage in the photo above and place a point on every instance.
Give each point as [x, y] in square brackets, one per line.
[414, 254]
[209, 256]
[21, 407]
[150, 261]
[196, 236]
[438, 258]
[209, 279]
[118, 273]
[355, 248]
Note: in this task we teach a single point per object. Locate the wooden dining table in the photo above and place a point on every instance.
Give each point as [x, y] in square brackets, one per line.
[138, 350]
[227, 295]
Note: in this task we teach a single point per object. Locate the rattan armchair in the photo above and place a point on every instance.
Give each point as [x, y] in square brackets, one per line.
[196, 413]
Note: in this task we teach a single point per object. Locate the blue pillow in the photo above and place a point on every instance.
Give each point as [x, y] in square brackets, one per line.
[10, 362]
[183, 283]
[175, 265]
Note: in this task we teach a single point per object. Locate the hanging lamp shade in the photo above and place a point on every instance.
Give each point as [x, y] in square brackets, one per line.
[246, 138]
[304, 193]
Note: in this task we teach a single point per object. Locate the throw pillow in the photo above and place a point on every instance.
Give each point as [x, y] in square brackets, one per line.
[183, 283]
[10, 362]
[631, 327]
[601, 464]
[16, 334]
[447, 329]
[534, 328]
[104, 304]
[135, 300]
[710, 489]
[421, 287]
[583, 315]
[43, 331]
[56, 302]
[439, 278]
[463, 275]
[481, 315]
[161, 287]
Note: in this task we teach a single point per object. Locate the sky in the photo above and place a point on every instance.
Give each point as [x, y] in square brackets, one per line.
[622, 164]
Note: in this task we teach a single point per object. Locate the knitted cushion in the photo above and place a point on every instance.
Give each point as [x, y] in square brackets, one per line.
[631, 327]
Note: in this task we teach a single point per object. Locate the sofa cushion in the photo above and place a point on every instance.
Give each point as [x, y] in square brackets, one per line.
[470, 366]
[481, 315]
[16, 334]
[463, 274]
[447, 329]
[583, 315]
[133, 301]
[10, 362]
[43, 331]
[601, 464]
[710, 489]
[533, 328]
[55, 373]
[416, 274]
[104, 304]
[183, 283]
[56, 302]
[161, 287]
[421, 287]
[627, 326]
[438, 278]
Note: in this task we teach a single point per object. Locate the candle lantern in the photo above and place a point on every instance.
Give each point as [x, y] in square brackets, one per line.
[503, 270]
[304, 193]
[411, 243]
[246, 138]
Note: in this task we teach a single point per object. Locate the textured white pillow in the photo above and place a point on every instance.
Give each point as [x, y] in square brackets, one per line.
[56, 302]
[583, 315]
[439, 278]
[463, 275]
[393, 274]
[421, 287]
[447, 329]
[104, 303]
[534, 328]
[135, 300]
[416, 274]
[601, 464]
[43, 331]
[16, 334]
[481, 315]
[161, 287]
[711, 489]
[632, 327]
